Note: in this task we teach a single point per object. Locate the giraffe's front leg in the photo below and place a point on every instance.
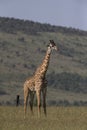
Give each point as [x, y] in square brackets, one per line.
[38, 94]
[44, 100]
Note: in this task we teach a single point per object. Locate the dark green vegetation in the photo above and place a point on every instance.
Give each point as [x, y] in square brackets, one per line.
[59, 118]
[22, 48]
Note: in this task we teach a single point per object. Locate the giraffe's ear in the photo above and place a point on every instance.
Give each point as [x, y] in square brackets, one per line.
[48, 45]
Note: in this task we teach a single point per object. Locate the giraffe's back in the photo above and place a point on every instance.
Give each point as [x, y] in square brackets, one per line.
[30, 84]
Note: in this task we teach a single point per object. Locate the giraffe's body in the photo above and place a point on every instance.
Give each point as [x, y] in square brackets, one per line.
[38, 83]
[30, 89]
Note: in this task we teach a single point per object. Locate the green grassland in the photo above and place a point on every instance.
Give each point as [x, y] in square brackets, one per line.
[22, 52]
[58, 118]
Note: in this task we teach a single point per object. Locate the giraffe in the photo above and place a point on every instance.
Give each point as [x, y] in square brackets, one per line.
[38, 83]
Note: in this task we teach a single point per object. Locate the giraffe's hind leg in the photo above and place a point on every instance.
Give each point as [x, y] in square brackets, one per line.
[31, 100]
[26, 93]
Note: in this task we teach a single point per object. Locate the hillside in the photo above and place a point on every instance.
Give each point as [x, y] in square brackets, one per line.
[22, 48]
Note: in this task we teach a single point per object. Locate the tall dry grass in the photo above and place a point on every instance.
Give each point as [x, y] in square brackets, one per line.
[59, 118]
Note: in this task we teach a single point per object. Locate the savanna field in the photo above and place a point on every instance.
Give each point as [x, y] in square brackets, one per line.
[58, 118]
[23, 46]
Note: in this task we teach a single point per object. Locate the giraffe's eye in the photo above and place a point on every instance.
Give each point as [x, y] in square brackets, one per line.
[53, 44]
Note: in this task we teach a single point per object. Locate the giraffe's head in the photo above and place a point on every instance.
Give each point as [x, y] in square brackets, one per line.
[52, 46]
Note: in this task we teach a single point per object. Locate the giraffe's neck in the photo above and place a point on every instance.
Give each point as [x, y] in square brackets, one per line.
[45, 62]
[44, 66]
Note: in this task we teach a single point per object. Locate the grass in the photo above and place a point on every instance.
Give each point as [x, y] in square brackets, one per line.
[59, 118]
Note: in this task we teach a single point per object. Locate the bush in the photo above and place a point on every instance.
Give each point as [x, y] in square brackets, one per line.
[68, 81]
